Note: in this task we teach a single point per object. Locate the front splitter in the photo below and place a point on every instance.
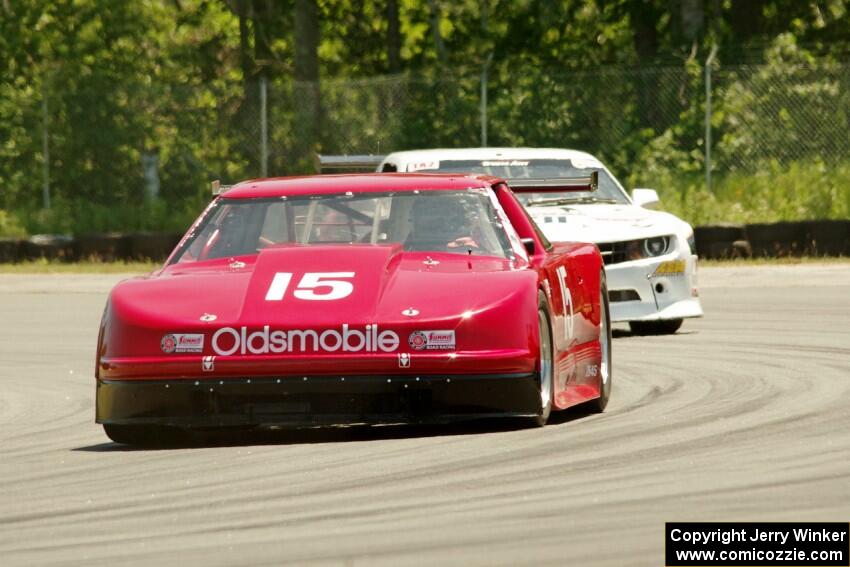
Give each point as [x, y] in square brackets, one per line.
[315, 400]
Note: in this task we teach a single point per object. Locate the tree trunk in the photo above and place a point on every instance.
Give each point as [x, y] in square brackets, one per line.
[393, 37]
[643, 20]
[263, 18]
[306, 40]
[439, 46]
[307, 94]
[246, 62]
[746, 18]
[693, 20]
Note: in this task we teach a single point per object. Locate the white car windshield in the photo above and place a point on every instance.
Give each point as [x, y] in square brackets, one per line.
[461, 222]
[608, 190]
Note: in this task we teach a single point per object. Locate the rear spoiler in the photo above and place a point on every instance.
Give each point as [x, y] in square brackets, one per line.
[554, 184]
[343, 163]
[217, 188]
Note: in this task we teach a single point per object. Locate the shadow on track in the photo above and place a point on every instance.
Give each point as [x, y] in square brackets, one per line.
[337, 434]
[627, 334]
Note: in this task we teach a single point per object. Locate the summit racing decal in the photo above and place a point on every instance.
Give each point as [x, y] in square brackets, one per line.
[182, 342]
[432, 340]
[229, 341]
[670, 268]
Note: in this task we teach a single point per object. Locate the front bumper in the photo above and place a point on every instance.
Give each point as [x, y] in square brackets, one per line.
[316, 400]
[638, 293]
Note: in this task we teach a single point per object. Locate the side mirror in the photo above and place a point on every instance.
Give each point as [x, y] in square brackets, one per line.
[646, 198]
[529, 245]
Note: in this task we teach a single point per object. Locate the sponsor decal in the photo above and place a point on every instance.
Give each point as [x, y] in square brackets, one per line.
[208, 364]
[432, 340]
[182, 342]
[505, 163]
[420, 165]
[670, 268]
[229, 341]
[403, 360]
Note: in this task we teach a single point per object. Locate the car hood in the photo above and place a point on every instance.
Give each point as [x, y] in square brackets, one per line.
[604, 222]
[386, 281]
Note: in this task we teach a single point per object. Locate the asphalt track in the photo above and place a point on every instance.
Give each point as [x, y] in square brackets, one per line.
[743, 415]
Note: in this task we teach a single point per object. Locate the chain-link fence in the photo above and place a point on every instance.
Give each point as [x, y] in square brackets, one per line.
[112, 147]
[758, 114]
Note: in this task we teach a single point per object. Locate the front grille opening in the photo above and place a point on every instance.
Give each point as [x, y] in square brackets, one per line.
[617, 295]
[613, 252]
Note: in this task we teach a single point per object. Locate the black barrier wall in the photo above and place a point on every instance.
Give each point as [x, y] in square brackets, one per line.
[106, 247]
[776, 240]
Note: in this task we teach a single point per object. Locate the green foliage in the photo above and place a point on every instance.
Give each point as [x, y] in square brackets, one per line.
[10, 225]
[791, 107]
[77, 217]
[621, 78]
[779, 192]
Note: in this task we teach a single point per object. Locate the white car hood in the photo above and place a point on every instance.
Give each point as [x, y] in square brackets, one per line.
[604, 222]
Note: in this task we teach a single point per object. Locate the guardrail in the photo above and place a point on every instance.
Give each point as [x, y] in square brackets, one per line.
[107, 247]
[722, 241]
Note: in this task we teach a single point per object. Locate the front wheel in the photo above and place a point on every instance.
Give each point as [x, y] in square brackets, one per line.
[663, 327]
[598, 405]
[545, 363]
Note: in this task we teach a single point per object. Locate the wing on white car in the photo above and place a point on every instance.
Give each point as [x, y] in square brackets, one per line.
[348, 163]
[555, 184]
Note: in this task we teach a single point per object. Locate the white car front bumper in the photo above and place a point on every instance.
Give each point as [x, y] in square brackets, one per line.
[639, 291]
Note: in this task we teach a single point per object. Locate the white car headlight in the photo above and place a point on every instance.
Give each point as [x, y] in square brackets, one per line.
[657, 246]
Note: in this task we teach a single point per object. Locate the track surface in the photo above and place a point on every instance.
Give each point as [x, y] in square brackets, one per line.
[743, 415]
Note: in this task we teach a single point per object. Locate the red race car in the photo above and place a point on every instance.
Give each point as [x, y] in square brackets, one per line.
[343, 299]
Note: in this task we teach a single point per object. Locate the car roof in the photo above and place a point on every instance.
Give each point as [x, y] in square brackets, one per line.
[358, 183]
[487, 153]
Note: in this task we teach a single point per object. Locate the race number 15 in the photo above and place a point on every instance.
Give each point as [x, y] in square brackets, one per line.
[314, 286]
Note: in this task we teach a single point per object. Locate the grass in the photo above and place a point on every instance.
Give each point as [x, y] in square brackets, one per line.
[785, 261]
[55, 267]
[778, 192]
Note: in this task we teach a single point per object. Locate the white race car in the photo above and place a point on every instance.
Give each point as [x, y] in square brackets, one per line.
[650, 257]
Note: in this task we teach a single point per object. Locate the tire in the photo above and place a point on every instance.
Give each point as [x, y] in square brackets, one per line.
[141, 434]
[663, 327]
[598, 405]
[546, 376]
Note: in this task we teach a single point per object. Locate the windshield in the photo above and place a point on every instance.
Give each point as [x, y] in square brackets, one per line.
[462, 222]
[608, 191]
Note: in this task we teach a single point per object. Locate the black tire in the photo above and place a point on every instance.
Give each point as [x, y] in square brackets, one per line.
[605, 368]
[546, 376]
[142, 434]
[663, 327]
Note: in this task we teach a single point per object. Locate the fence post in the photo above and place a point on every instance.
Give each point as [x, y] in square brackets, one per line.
[264, 142]
[708, 63]
[484, 71]
[45, 143]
